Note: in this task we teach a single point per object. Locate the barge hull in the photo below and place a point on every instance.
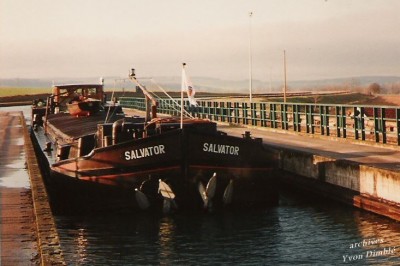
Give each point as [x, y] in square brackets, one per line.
[108, 176]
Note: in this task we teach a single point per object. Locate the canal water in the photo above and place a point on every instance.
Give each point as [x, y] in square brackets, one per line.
[300, 230]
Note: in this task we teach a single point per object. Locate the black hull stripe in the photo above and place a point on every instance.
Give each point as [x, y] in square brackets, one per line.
[100, 173]
[93, 177]
[232, 168]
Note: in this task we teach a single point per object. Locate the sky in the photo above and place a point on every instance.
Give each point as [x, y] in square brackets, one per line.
[92, 38]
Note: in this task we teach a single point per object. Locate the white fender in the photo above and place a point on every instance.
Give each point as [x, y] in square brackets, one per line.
[203, 194]
[228, 193]
[168, 195]
[141, 199]
[211, 186]
[208, 193]
[165, 190]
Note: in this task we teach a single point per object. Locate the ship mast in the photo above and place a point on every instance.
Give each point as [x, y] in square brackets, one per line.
[149, 98]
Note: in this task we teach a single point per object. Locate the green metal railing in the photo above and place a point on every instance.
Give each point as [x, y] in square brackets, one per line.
[363, 123]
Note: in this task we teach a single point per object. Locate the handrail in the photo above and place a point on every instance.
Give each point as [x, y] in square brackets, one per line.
[365, 123]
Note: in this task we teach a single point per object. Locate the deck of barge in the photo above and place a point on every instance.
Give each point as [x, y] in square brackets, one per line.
[71, 127]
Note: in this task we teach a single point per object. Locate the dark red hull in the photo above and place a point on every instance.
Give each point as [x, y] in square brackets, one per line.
[120, 164]
[182, 160]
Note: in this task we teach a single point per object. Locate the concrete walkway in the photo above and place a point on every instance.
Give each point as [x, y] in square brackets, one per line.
[340, 149]
[28, 234]
[17, 220]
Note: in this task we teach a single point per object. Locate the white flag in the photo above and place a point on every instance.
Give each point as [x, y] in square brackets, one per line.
[188, 87]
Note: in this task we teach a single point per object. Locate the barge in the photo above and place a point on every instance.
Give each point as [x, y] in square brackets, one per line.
[105, 160]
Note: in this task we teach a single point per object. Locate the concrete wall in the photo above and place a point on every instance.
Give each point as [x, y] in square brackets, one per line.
[379, 186]
[344, 174]
[380, 183]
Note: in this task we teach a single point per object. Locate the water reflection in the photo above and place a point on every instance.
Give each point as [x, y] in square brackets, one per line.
[81, 244]
[298, 231]
[379, 239]
[166, 239]
[149, 239]
[13, 172]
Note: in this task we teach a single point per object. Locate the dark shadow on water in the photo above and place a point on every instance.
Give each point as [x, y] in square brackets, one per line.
[148, 238]
[303, 229]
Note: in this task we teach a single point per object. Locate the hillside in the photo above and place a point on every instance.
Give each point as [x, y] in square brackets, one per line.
[207, 84]
[359, 99]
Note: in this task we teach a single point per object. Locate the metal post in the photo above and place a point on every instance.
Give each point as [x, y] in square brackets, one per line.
[398, 125]
[376, 124]
[284, 72]
[339, 124]
[362, 124]
[183, 87]
[383, 123]
[250, 60]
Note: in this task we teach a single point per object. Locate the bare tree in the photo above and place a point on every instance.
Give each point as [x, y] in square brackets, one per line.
[317, 98]
[395, 87]
[374, 88]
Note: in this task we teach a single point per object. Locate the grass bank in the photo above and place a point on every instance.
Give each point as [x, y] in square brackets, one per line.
[23, 96]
